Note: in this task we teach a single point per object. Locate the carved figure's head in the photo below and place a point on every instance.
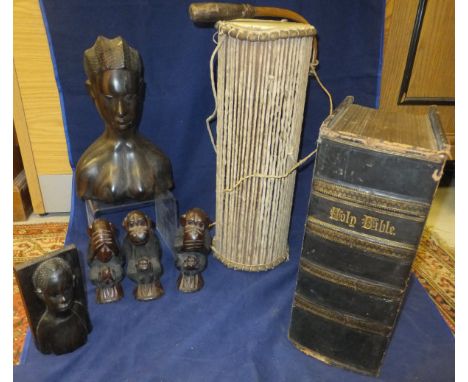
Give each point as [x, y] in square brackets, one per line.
[144, 264]
[103, 240]
[195, 221]
[138, 227]
[191, 262]
[53, 282]
[106, 277]
[114, 81]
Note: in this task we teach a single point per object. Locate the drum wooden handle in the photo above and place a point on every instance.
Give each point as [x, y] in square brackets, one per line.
[212, 12]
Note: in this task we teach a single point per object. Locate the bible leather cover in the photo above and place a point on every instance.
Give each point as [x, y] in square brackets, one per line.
[374, 179]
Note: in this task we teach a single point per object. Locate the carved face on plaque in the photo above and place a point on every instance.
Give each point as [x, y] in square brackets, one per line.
[55, 300]
[54, 283]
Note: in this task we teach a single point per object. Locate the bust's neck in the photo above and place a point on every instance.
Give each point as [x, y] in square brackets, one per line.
[59, 315]
[112, 134]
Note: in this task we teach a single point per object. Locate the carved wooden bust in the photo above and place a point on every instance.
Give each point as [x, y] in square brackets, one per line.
[121, 164]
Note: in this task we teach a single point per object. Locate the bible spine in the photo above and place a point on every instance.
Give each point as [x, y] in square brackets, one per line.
[366, 215]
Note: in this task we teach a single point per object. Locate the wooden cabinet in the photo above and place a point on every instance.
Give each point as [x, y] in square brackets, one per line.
[21, 200]
[419, 59]
[37, 114]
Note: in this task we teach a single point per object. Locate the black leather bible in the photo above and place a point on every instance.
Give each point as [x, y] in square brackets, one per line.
[374, 179]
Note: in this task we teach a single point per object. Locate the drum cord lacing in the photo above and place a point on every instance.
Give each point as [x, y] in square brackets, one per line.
[212, 116]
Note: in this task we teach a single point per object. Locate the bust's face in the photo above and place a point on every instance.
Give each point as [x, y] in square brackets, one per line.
[116, 95]
[58, 295]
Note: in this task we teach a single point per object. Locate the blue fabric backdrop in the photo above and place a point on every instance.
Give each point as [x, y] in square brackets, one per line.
[235, 329]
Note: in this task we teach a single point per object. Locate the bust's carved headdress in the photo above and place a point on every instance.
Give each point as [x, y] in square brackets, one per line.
[108, 54]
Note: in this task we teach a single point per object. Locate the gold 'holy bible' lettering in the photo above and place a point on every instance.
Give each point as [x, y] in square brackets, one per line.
[343, 216]
[368, 222]
[379, 225]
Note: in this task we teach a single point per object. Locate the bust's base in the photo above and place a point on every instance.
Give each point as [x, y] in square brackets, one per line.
[190, 283]
[108, 294]
[165, 207]
[149, 291]
[96, 209]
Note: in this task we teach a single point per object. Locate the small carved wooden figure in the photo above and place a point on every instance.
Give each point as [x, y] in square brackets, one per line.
[105, 261]
[65, 324]
[192, 245]
[142, 250]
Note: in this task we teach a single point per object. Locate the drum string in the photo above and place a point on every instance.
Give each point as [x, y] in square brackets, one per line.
[314, 62]
[313, 72]
[212, 117]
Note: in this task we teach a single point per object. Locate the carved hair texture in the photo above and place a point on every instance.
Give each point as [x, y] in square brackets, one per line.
[108, 54]
[102, 234]
[44, 271]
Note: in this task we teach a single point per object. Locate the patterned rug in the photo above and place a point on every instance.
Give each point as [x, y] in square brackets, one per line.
[434, 266]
